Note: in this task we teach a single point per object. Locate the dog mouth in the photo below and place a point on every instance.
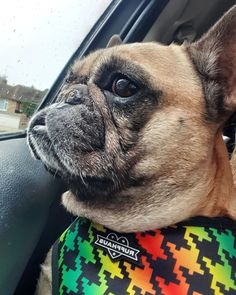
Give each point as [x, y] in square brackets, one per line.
[93, 189]
[64, 140]
[42, 147]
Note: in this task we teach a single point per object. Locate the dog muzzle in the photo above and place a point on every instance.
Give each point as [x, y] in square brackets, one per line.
[195, 257]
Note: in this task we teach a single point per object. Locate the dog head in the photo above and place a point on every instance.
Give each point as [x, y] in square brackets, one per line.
[136, 130]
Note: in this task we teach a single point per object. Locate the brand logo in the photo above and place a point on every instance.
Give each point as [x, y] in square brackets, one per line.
[117, 247]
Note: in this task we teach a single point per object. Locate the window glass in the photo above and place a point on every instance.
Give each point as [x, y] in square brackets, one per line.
[3, 105]
[37, 39]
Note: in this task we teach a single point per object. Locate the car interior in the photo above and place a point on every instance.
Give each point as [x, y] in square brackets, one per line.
[31, 215]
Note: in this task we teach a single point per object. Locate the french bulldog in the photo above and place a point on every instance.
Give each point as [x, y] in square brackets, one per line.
[136, 132]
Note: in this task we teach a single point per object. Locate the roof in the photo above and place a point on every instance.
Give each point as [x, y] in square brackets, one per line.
[20, 92]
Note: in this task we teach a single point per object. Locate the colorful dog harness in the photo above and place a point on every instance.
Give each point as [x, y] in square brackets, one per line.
[197, 257]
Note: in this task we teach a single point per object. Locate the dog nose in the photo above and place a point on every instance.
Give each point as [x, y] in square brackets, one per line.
[73, 97]
[76, 96]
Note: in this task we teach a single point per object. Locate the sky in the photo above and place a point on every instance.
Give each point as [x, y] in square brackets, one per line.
[37, 37]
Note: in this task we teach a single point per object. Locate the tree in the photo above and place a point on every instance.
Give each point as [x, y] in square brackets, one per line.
[28, 108]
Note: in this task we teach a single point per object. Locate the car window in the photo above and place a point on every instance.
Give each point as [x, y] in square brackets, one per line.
[37, 39]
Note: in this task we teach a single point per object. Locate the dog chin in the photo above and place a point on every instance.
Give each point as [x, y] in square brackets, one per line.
[94, 189]
[85, 188]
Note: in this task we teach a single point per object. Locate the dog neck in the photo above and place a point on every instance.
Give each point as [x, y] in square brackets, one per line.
[221, 199]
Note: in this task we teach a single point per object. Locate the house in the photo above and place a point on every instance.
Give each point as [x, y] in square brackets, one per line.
[16, 105]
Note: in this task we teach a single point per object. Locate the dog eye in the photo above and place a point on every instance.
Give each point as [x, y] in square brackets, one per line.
[123, 87]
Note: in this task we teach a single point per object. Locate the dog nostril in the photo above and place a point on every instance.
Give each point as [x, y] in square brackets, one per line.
[74, 97]
[39, 120]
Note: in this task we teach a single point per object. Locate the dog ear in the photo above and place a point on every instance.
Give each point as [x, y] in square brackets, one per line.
[214, 57]
[114, 41]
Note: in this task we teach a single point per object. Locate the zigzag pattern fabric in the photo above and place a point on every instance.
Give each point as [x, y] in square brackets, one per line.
[178, 260]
